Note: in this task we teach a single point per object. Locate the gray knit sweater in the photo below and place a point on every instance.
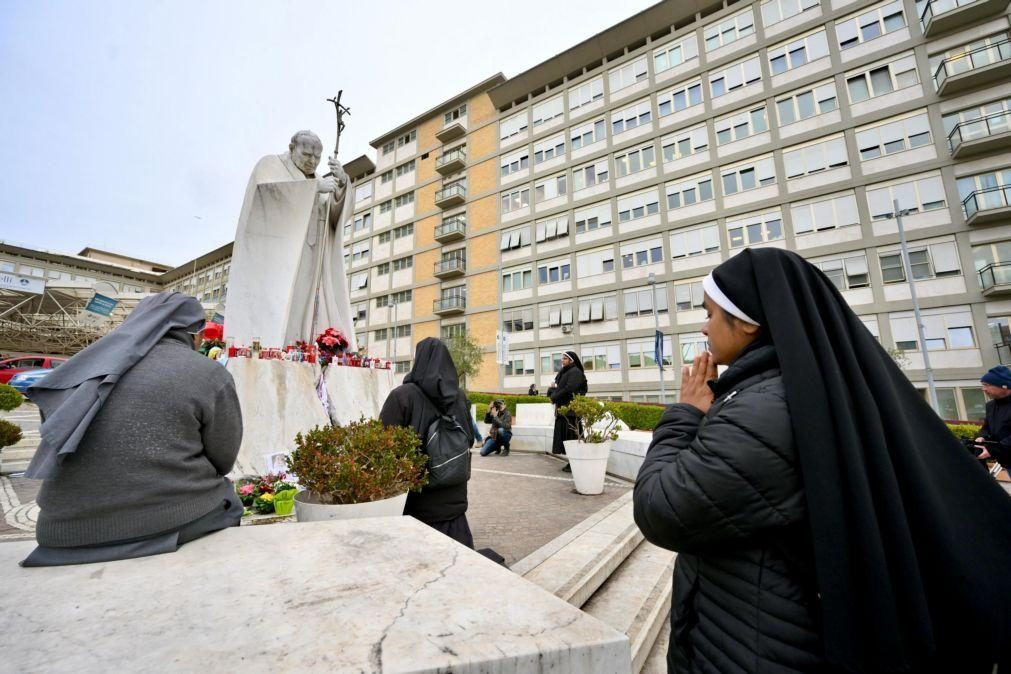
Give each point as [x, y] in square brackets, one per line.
[154, 457]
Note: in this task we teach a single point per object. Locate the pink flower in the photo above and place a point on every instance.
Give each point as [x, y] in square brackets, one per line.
[247, 489]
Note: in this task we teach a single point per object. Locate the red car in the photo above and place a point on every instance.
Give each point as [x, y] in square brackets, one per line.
[12, 366]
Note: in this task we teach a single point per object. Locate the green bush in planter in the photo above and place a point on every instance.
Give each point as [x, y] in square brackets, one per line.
[360, 462]
[965, 431]
[638, 417]
[9, 398]
[591, 412]
[10, 434]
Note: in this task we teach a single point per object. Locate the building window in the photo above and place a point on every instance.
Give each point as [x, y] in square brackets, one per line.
[588, 134]
[514, 163]
[695, 241]
[689, 191]
[549, 188]
[549, 148]
[517, 279]
[599, 308]
[386, 177]
[363, 222]
[748, 176]
[775, 11]
[404, 199]
[729, 30]
[639, 205]
[947, 328]
[389, 147]
[735, 76]
[386, 206]
[548, 110]
[518, 320]
[404, 168]
[642, 353]
[382, 269]
[755, 229]
[600, 357]
[519, 364]
[890, 137]
[403, 366]
[691, 345]
[593, 217]
[830, 213]
[454, 115]
[360, 280]
[553, 272]
[807, 103]
[636, 160]
[741, 125]
[404, 230]
[688, 296]
[627, 75]
[679, 98]
[363, 192]
[641, 253]
[555, 315]
[926, 262]
[882, 80]
[551, 228]
[451, 332]
[924, 193]
[639, 301]
[815, 157]
[631, 117]
[674, 54]
[515, 239]
[869, 25]
[586, 93]
[384, 237]
[797, 52]
[595, 262]
[407, 138]
[403, 263]
[512, 126]
[515, 200]
[360, 252]
[588, 175]
[846, 273]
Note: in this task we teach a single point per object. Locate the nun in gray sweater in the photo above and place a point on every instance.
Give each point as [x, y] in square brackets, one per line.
[138, 433]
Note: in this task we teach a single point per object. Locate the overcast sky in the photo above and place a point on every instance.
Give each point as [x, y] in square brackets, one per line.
[133, 126]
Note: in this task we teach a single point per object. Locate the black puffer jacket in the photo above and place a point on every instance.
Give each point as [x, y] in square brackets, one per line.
[724, 490]
[569, 383]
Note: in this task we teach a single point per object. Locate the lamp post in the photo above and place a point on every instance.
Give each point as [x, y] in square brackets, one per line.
[656, 324]
[897, 213]
[393, 359]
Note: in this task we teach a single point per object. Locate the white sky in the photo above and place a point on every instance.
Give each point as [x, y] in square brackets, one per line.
[133, 126]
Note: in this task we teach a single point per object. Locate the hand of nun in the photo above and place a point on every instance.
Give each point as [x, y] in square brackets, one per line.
[694, 389]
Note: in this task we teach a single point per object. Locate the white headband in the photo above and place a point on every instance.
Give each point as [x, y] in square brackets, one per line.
[718, 296]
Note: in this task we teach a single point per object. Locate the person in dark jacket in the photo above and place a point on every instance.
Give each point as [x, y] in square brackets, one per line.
[501, 431]
[532, 391]
[825, 517]
[997, 426]
[146, 472]
[432, 388]
[569, 382]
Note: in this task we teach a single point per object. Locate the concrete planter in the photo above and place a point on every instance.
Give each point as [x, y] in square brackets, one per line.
[589, 464]
[309, 509]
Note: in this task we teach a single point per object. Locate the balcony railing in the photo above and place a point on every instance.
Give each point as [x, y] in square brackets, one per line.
[451, 229]
[993, 128]
[995, 278]
[451, 304]
[974, 67]
[451, 266]
[987, 204]
[939, 16]
[452, 161]
[451, 196]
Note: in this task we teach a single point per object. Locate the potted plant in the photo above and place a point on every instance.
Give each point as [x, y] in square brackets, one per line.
[362, 469]
[596, 429]
[10, 433]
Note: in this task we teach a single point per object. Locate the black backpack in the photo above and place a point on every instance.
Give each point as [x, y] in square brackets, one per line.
[448, 445]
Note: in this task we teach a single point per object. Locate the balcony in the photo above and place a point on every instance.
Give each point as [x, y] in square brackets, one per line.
[979, 136]
[451, 229]
[454, 195]
[450, 267]
[452, 161]
[454, 304]
[995, 279]
[975, 68]
[985, 206]
[942, 16]
[450, 132]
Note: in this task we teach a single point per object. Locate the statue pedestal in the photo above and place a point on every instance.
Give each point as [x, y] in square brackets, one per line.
[278, 400]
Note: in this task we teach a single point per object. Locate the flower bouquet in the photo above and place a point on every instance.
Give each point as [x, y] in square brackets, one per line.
[262, 493]
[332, 344]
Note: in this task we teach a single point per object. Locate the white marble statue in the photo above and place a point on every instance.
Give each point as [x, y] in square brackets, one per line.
[287, 279]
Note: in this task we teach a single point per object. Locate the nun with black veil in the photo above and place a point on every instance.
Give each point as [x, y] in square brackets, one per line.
[825, 517]
[569, 383]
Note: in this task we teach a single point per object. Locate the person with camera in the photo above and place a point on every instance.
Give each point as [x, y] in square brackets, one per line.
[501, 431]
[995, 435]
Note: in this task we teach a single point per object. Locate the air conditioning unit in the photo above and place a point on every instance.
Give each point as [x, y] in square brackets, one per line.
[567, 329]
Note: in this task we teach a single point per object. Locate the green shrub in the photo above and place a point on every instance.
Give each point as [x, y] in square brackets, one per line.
[591, 412]
[638, 416]
[10, 434]
[482, 400]
[9, 398]
[360, 462]
[965, 431]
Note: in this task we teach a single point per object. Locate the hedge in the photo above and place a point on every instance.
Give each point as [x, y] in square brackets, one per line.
[637, 416]
[965, 431]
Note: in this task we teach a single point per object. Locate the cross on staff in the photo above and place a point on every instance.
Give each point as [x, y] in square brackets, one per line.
[340, 110]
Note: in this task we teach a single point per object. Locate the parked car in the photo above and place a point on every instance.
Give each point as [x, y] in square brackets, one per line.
[13, 366]
[22, 380]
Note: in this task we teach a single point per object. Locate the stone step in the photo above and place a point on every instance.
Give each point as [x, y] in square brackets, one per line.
[9, 467]
[636, 598]
[656, 661]
[577, 563]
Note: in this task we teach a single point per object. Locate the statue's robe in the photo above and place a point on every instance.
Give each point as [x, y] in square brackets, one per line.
[287, 279]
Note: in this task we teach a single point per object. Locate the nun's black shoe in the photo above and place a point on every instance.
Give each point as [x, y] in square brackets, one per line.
[567, 469]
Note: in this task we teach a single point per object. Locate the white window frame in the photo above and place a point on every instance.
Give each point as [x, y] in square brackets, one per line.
[631, 116]
[598, 308]
[586, 92]
[698, 187]
[547, 110]
[851, 270]
[514, 199]
[824, 99]
[561, 266]
[592, 354]
[774, 11]
[551, 228]
[820, 155]
[595, 262]
[916, 193]
[685, 92]
[642, 353]
[591, 174]
[741, 124]
[628, 74]
[664, 57]
[755, 223]
[515, 239]
[592, 217]
[549, 148]
[550, 188]
[728, 30]
[514, 162]
[897, 72]
[522, 275]
[690, 293]
[636, 303]
[634, 160]
[684, 143]
[735, 76]
[897, 134]
[642, 252]
[512, 126]
[854, 24]
[798, 51]
[825, 213]
[638, 205]
[588, 133]
[763, 169]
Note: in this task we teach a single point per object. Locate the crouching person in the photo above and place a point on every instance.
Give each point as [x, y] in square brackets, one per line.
[138, 433]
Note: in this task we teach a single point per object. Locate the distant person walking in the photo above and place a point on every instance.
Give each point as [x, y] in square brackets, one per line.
[429, 390]
[139, 432]
[569, 382]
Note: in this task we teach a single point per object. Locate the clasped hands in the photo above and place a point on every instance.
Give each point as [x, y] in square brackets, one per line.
[333, 182]
[694, 382]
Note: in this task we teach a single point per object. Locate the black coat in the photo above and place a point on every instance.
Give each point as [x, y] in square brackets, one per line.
[997, 428]
[569, 383]
[724, 490]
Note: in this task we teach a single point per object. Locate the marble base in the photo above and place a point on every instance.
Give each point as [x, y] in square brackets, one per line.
[356, 391]
[535, 414]
[628, 452]
[378, 595]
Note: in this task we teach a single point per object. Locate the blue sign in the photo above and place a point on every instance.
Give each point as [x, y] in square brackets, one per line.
[101, 305]
[658, 349]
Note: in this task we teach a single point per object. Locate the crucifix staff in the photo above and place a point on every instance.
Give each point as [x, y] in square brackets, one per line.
[341, 110]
